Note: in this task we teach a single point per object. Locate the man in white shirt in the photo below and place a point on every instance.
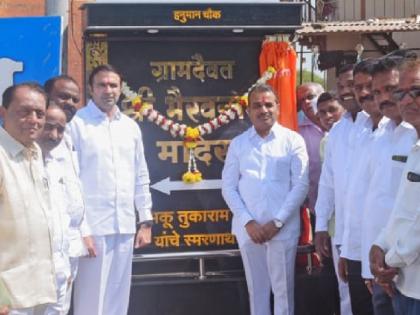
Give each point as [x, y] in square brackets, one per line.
[394, 257]
[333, 180]
[63, 91]
[49, 141]
[115, 183]
[385, 162]
[27, 278]
[368, 126]
[264, 182]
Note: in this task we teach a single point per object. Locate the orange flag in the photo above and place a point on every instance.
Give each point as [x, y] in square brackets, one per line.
[282, 57]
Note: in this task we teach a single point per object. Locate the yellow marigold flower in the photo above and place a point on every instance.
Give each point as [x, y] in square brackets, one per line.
[271, 69]
[188, 178]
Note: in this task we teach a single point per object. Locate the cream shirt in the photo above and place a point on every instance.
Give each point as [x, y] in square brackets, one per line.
[400, 238]
[113, 171]
[27, 272]
[265, 179]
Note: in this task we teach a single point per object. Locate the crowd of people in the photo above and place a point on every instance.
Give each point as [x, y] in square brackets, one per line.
[73, 182]
[355, 166]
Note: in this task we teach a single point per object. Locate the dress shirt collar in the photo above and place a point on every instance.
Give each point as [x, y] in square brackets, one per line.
[97, 113]
[15, 148]
[274, 132]
[307, 122]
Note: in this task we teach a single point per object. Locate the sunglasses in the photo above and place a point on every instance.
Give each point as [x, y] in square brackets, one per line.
[414, 92]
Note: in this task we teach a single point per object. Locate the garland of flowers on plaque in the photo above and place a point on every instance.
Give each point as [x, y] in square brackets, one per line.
[191, 135]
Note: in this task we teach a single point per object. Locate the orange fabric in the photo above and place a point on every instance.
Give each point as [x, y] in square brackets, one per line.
[282, 57]
[305, 238]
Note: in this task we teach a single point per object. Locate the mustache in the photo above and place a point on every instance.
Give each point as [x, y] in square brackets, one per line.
[386, 104]
[366, 98]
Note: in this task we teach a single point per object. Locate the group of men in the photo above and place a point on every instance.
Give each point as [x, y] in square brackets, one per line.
[71, 183]
[356, 166]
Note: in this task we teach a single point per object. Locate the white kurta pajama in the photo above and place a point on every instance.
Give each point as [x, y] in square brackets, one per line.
[331, 193]
[266, 179]
[115, 183]
[55, 171]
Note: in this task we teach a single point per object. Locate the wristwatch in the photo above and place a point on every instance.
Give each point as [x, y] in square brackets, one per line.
[148, 223]
[278, 224]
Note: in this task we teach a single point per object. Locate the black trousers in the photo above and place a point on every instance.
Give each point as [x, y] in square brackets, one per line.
[360, 297]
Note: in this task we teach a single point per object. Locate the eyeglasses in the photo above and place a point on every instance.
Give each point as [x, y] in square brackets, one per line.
[414, 92]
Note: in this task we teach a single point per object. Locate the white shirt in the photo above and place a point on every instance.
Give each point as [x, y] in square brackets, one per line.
[73, 198]
[385, 163]
[361, 139]
[333, 180]
[265, 179]
[113, 171]
[400, 239]
[60, 219]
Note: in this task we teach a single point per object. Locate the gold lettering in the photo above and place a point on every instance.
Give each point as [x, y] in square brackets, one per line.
[212, 69]
[169, 150]
[183, 219]
[220, 149]
[167, 240]
[174, 102]
[164, 217]
[198, 69]
[180, 16]
[226, 70]
[192, 239]
[202, 152]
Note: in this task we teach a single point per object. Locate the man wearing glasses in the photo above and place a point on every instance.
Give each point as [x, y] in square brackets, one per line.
[394, 257]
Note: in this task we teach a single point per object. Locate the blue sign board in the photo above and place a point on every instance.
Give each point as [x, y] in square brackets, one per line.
[30, 49]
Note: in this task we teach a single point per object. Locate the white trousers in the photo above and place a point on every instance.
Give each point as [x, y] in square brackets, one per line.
[343, 288]
[74, 264]
[102, 285]
[270, 267]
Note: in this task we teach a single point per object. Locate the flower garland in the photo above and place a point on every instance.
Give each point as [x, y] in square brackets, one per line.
[191, 135]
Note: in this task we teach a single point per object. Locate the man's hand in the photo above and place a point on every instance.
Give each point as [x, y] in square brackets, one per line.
[342, 269]
[255, 232]
[144, 236]
[270, 230]
[382, 272]
[4, 310]
[90, 246]
[369, 285]
[323, 244]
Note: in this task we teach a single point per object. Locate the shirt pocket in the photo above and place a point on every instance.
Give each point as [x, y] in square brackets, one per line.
[278, 169]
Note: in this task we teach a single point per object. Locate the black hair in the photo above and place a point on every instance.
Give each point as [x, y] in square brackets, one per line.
[105, 68]
[49, 84]
[261, 88]
[364, 66]
[9, 93]
[345, 68]
[326, 96]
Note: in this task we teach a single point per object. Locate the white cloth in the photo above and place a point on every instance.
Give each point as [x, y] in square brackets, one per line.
[332, 184]
[113, 171]
[343, 287]
[61, 223]
[270, 265]
[363, 137]
[400, 238]
[74, 267]
[384, 173]
[265, 179]
[103, 283]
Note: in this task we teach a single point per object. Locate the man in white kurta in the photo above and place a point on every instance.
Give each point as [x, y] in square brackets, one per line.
[115, 183]
[27, 278]
[67, 205]
[265, 180]
[394, 257]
